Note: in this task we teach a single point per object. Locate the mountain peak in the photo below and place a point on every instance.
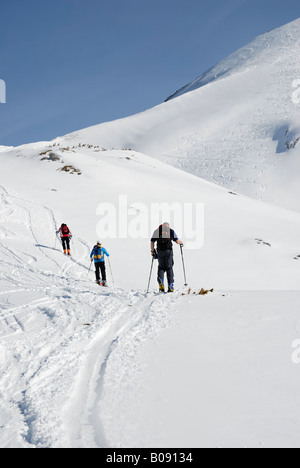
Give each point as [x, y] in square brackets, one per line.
[269, 46]
[236, 126]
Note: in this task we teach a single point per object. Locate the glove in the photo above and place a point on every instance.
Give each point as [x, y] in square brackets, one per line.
[154, 255]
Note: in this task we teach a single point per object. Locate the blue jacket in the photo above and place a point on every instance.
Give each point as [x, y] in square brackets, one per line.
[98, 253]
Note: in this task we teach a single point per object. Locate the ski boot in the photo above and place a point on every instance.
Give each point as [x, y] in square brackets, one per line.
[161, 286]
[171, 288]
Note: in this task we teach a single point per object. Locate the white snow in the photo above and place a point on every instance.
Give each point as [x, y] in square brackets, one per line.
[5, 148]
[83, 366]
[221, 376]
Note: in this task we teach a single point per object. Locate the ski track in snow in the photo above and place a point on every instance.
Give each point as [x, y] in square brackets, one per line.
[58, 332]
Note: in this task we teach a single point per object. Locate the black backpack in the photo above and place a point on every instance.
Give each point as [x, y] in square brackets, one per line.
[165, 238]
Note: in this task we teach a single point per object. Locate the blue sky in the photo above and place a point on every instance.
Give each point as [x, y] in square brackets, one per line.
[68, 64]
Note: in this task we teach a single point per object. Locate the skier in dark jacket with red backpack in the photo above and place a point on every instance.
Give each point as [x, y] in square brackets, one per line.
[66, 236]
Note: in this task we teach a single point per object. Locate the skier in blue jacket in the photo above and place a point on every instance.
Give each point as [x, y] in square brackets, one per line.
[98, 256]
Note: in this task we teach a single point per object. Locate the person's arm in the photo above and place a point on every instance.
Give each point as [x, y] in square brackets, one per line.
[154, 239]
[105, 252]
[152, 243]
[176, 240]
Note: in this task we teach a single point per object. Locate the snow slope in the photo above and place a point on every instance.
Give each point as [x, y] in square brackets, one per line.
[237, 125]
[237, 230]
[261, 49]
[83, 367]
[220, 377]
[57, 331]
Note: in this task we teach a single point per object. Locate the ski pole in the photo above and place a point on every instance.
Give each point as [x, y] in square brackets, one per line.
[150, 275]
[111, 272]
[181, 248]
[89, 269]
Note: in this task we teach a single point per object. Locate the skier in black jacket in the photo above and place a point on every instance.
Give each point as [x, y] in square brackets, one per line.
[164, 236]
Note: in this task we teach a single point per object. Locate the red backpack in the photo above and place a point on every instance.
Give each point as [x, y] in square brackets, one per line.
[65, 231]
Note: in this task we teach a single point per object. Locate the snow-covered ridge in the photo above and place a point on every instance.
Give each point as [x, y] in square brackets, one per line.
[268, 46]
[241, 131]
[5, 148]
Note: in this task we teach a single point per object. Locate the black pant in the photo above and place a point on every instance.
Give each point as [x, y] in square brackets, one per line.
[65, 243]
[165, 265]
[100, 266]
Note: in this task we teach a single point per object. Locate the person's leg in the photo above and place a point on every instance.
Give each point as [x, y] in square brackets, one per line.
[161, 269]
[68, 245]
[97, 272]
[63, 241]
[103, 271]
[170, 270]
